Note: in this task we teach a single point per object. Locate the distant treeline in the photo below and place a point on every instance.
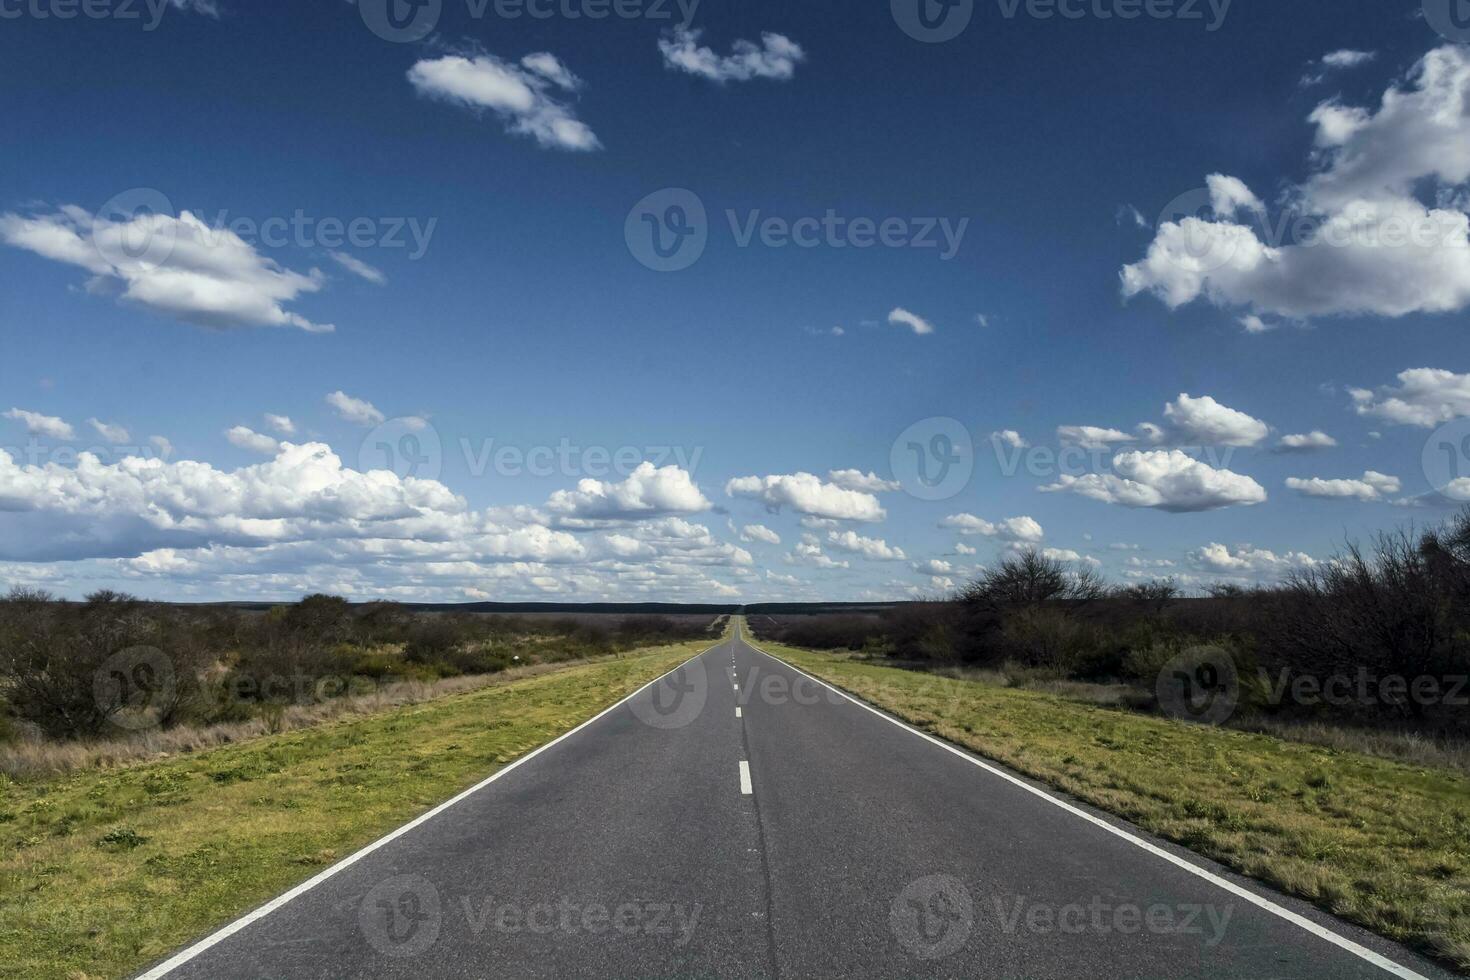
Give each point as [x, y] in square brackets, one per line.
[115, 663]
[1380, 634]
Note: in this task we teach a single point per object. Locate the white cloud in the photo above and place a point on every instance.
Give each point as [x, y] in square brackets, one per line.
[114, 434]
[1424, 397]
[178, 267]
[281, 423]
[1377, 249]
[252, 441]
[934, 566]
[136, 504]
[647, 492]
[1254, 324]
[1010, 437]
[1204, 421]
[866, 482]
[1090, 436]
[759, 532]
[1342, 60]
[963, 549]
[901, 317]
[808, 551]
[1306, 442]
[1249, 561]
[522, 95]
[359, 268]
[776, 57]
[354, 410]
[42, 425]
[1068, 555]
[1010, 529]
[1166, 480]
[1191, 422]
[1229, 196]
[807, 494]
[873, 549]
[1371, 487]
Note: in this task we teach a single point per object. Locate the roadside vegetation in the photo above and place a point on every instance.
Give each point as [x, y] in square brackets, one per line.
[1369, 652]
[115, 679]
[103, 871]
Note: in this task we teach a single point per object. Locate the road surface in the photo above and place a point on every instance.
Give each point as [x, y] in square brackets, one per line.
[739, 819]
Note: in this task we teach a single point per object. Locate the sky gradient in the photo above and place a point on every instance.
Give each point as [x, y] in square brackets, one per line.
[778, 301]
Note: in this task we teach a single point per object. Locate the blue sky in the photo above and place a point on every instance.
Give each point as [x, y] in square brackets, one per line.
[1119, 211]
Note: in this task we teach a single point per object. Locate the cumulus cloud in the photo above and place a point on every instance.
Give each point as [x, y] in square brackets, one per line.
[647, 492]
[354, 410]
[807, 494]
[934, 566]
[1371, 487]
[134, 505]
[1307, 442]
[252, 441]
[1190, 421]
[1246, 560]
[1372, 246]
[776, 57]
[281, 423]
[808, 551]
[1010, 529]
[1204, 421]
[42, 425]
[524, 95]
[963, 549]
[866, 482]
[759, 532]
[1009, 437]
[873, 549]
[901, 317]
[177, 267]
[1424, 397]
[1166, 480]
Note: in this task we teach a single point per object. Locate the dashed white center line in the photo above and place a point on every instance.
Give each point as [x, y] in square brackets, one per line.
[745, 787]
[737, 712]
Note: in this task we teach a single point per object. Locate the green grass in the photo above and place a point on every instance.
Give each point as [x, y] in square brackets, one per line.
[1380, 843]
[104, 872]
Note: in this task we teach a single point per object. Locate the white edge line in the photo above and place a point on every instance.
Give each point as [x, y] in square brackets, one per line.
[745, 787]
[184, 956]
[1362, 952]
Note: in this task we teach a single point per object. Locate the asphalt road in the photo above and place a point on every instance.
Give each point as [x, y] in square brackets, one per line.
[776, 828]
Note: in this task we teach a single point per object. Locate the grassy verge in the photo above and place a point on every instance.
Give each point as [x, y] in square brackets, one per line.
[103, 872]
[1380, 843]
